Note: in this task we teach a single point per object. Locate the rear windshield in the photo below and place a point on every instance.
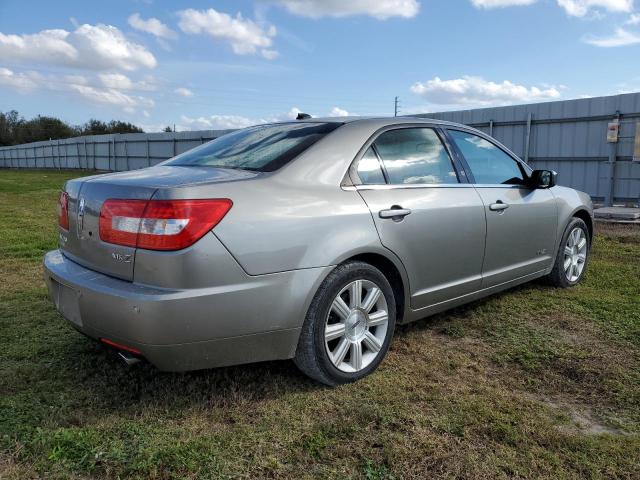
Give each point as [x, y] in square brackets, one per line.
[263, 148]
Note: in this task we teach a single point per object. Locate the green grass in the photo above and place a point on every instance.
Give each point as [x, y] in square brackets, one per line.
[534, 382]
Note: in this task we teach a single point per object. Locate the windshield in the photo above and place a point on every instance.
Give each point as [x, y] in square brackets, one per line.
[263, 148]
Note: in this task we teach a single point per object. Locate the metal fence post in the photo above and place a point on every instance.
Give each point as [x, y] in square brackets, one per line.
[527, 138]
[126, 154]
[611, 180]
[491, 128]
[148, 157]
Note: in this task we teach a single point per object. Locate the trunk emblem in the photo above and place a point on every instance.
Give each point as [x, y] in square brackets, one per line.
[80, 222]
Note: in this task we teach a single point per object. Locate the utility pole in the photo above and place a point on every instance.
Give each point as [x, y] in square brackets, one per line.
[395, 107]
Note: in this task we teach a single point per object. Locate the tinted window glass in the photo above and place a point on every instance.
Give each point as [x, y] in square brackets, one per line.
[263, 148]
[415, 155]
[369, 169]
[487, 162]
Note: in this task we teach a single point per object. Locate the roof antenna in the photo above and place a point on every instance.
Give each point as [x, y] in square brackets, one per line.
[303, 116]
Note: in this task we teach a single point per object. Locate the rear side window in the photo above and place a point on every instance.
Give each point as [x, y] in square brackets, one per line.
[369, 169]
[263, 148]
[415, 156]
[488, 163]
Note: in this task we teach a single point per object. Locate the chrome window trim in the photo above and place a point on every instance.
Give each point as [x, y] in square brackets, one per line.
[398, 186]
[501, 185]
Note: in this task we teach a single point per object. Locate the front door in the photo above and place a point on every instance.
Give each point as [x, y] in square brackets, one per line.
[431, 221]
[521, 221]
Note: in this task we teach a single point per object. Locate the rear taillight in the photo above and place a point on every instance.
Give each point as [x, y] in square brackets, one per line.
[63, 210]
[160, 224]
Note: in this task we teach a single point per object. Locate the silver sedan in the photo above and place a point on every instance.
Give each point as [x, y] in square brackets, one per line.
[308, 240]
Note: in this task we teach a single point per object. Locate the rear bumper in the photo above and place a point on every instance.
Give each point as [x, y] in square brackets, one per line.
[256, 319]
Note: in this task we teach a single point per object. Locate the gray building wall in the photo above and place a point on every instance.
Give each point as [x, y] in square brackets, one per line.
[569, 137]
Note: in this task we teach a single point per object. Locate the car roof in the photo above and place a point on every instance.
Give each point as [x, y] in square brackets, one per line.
[373, 119]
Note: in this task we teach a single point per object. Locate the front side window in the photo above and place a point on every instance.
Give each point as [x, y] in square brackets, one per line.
[415, 155]
[488, 163]
[263, 148]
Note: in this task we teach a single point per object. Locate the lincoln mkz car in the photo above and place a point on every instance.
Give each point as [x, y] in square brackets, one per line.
[307, 240]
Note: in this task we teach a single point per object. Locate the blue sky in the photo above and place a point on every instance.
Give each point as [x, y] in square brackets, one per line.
[221, 63]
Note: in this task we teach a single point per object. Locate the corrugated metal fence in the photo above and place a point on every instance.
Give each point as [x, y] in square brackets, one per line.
[569, 137]
[105, 152]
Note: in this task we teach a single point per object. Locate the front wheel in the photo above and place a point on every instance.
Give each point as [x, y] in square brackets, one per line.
[349, 325]
[572, 256]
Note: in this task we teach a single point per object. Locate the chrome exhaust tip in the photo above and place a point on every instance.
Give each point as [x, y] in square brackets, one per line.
[128, 359]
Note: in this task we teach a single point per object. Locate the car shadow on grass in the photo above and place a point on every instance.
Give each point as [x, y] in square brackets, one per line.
[96, 371]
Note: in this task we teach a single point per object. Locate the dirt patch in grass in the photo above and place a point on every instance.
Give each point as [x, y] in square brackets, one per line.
[621, 232]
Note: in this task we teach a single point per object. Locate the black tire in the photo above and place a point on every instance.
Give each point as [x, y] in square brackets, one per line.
[311, 356]
[558, 277]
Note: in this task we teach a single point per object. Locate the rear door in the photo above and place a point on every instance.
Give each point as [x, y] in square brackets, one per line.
[521, 221]
[424, 213]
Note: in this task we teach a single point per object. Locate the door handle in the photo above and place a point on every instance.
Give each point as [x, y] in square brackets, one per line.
[499, 206]
[396, 213]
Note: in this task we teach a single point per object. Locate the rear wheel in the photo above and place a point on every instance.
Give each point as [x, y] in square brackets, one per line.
[349, 325]
[572, 256]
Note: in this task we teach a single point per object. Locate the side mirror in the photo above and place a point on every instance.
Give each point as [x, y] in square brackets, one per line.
[543, 179]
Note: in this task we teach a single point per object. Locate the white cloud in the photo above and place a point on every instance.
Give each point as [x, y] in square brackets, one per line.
[118, 81]
[576, 8]
[102, 90]
[152, 25]
[22, 82]
[245, 36]
[270, 54]
[634, 19]
[620, 38]
[580, 8]
[112, 97]
[338, 112]
[501, 3]
[227, 122]
[215, 122]
[476, 91]
[99, 47]
[183, 92]
[380, 9]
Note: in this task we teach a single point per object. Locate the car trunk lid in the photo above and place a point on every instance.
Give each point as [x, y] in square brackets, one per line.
[82, 242]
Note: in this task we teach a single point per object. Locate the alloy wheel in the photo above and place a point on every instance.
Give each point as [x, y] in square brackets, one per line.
[356, 326]
[575, 254]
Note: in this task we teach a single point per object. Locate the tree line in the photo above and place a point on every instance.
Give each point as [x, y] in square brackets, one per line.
[15, 129]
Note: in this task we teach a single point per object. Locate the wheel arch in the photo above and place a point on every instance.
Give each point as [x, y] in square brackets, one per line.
[394, 275]
[584, 215]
